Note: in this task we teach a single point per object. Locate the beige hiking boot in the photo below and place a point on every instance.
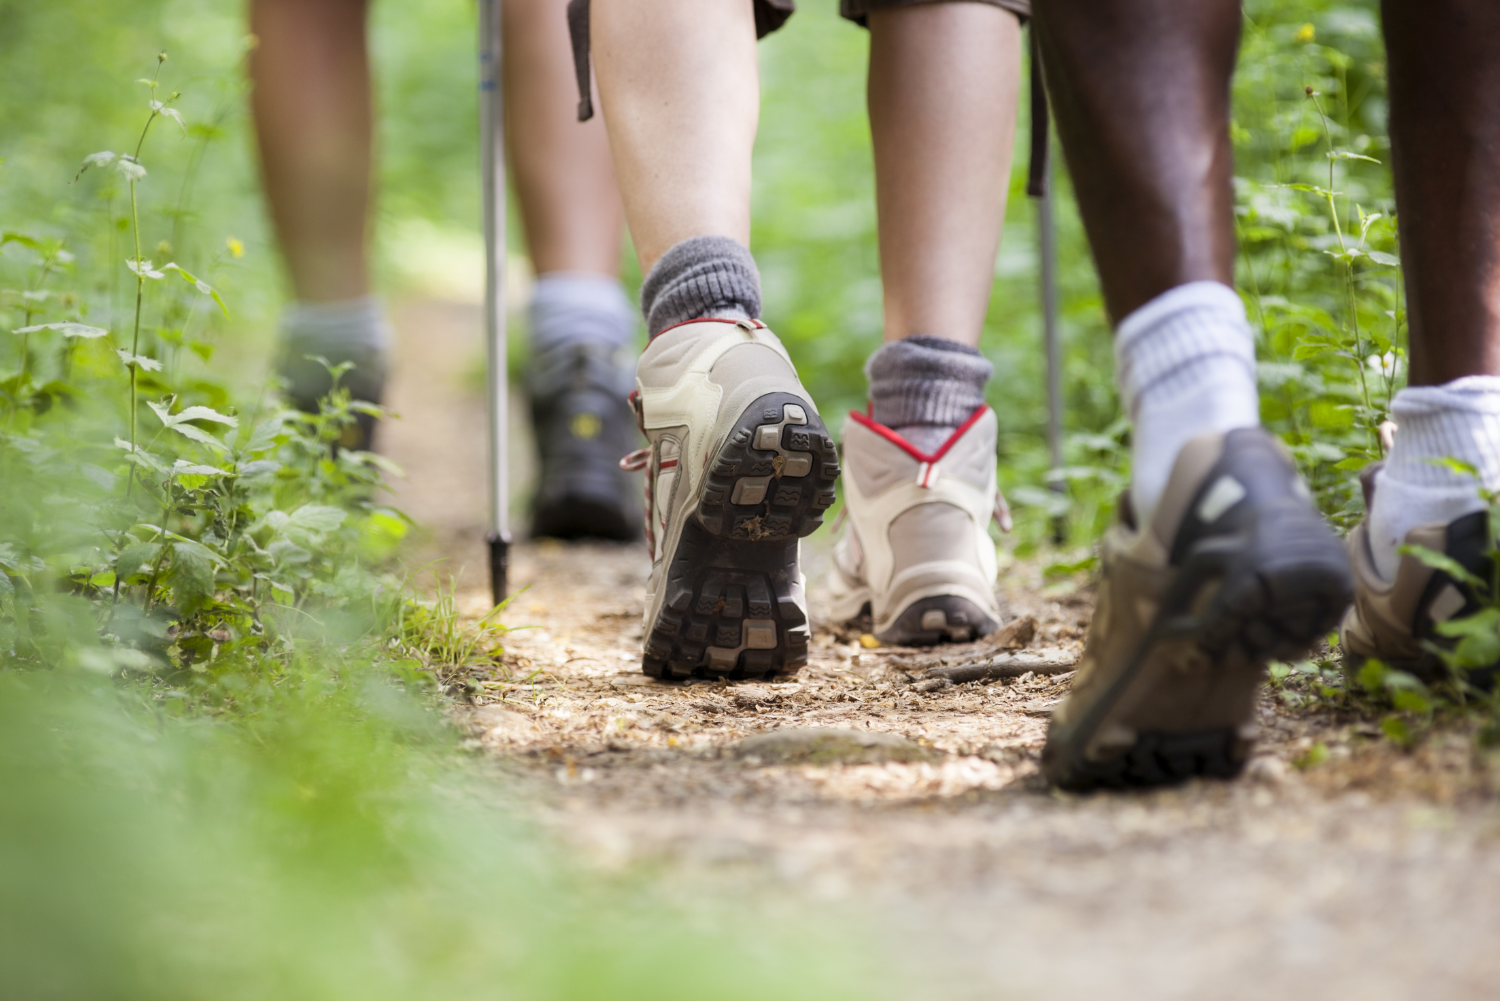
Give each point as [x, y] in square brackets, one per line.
[738, 469]
[917, 551]
[1395, 621]
[1236, 567]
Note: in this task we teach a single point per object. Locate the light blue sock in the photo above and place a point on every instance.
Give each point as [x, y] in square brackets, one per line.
[576, 308]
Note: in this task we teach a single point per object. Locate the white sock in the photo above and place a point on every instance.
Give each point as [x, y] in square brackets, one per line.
[1185, 362]
[1457, 420]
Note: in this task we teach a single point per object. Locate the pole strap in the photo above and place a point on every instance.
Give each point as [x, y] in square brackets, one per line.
[578, 34]
[1041, 120]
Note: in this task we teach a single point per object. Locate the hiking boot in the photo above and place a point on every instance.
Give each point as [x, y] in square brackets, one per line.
[1237, 567]
[917, 551]
[583, 424]
[1395, 621]
[739, 468]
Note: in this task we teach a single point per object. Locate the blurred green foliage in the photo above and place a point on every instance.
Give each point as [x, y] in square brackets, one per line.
[327, 842]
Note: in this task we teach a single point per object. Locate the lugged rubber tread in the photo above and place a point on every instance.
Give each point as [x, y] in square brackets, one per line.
[1164, 759]
[959, 613]
[736, 564]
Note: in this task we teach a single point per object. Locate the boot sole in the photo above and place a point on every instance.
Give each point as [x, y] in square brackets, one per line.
[731, 607]
[1259, 606]
[941, 618]
[579, 517]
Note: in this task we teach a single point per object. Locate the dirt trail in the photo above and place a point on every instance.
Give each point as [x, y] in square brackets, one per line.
[1373, 873]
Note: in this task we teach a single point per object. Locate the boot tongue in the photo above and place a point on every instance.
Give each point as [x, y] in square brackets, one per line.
[926, 438]
[1193, 465]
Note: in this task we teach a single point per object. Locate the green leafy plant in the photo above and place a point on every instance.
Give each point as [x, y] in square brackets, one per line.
[190, 536]
[1315, 215]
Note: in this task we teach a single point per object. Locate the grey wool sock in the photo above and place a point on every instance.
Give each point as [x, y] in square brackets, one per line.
[924, 387]
[700, 278]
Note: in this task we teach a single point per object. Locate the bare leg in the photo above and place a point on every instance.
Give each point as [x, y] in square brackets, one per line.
[1140, 89]
[564, 180]
[313, 116]
[1445, 144]
[1445, 141]
[944, 79]
[680, 91]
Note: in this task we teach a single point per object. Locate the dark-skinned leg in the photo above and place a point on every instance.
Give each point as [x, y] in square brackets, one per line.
[1227, 562]
[1445, 144]
[1140, 90]
[1141, 93]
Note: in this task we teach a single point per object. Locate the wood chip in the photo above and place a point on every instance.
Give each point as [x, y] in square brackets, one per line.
[1014, 635]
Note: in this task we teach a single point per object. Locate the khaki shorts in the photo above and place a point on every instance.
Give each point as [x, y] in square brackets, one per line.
[771, 14]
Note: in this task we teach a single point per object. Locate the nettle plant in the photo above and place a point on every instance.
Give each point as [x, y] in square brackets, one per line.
[144, 523]
[1318, 244]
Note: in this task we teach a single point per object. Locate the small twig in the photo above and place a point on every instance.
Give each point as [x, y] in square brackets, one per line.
[1007, 666]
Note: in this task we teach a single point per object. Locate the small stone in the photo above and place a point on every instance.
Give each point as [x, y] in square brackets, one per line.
[494, 719]
[1267, 769]
[829, 746]
[751, 695]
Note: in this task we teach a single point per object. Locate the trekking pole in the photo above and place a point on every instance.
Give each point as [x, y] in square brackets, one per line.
[492, 167]
[1047, 251]
[1039, 187]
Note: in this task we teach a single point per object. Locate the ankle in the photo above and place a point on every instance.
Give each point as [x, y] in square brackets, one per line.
[337, 329]
[925, 387]
[1458, 420]
[1185, 362]
[700, 278]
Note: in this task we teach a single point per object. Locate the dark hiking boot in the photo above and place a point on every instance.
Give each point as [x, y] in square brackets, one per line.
[583, 425]
[1237, 567]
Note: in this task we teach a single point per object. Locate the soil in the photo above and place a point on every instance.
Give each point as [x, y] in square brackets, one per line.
[1339, 865]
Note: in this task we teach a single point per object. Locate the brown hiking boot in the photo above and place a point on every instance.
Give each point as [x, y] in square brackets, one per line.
[1395, 621]
[1236, 567]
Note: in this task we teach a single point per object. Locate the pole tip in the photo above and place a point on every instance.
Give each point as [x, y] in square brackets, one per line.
[499, 568]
